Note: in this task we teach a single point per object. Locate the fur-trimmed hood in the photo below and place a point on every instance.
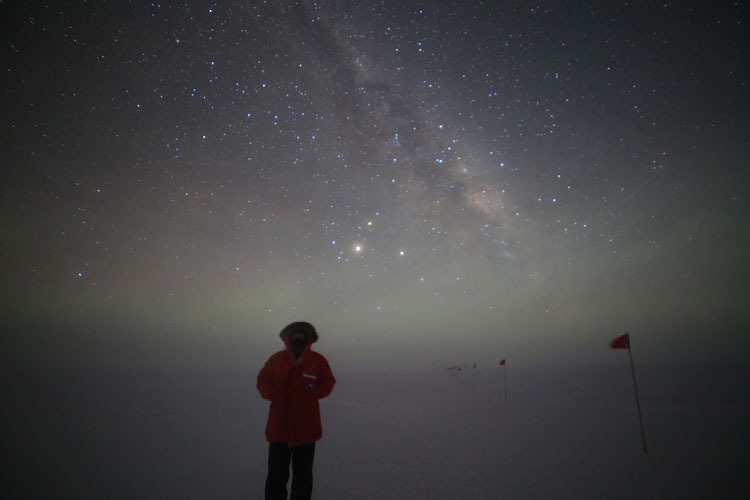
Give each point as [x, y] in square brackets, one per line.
[299, 326]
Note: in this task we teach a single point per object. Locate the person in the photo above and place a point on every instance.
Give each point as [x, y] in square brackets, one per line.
[294, 379]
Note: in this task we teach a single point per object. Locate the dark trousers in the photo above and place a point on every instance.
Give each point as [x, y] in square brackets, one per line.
[301, 458]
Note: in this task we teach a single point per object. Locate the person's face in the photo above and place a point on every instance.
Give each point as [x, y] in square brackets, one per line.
[297, 341]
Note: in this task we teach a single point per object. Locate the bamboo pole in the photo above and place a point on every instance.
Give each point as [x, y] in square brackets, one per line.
[637, 400]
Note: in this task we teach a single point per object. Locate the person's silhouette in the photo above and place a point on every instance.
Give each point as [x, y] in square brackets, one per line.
[294, 380]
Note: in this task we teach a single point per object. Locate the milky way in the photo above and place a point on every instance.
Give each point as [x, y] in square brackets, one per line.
[463, 180]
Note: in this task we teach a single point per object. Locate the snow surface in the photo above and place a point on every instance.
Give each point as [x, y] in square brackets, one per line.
[565, 432]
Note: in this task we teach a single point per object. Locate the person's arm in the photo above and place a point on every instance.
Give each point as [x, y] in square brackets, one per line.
[326, 381]
[266, 381]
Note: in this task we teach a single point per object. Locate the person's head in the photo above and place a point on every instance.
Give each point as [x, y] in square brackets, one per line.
[298, 335]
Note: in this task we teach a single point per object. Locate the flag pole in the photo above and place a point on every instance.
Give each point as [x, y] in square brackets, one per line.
[637, 400]
[505, 373]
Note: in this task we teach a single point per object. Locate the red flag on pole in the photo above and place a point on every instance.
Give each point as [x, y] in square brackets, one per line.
[502, 362]
[621, 342]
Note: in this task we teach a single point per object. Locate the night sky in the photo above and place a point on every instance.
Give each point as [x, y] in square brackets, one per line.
[426, 182]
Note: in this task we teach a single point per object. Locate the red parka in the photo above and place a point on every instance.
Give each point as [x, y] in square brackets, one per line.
[294, 387]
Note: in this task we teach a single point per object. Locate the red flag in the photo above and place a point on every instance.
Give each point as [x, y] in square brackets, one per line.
[502, 362]
[621, 342]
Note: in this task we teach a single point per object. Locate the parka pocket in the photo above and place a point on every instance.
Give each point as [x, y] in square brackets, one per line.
[276, 425]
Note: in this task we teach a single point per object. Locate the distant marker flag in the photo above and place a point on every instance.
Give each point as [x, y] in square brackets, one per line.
[505, 376]
[621, 342]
